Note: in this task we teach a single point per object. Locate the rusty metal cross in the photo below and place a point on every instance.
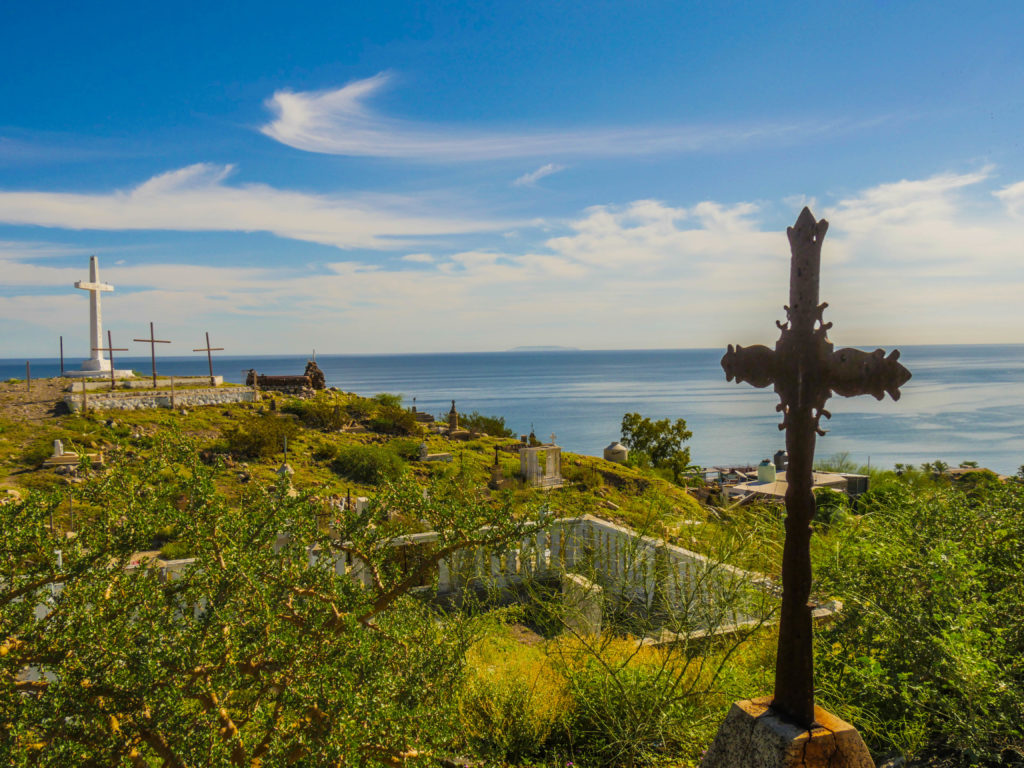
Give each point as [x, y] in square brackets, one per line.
[111, 349]
[153, 341]
[806, 371]
[209, 358]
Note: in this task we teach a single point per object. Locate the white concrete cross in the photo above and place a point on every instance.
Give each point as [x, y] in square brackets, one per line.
[97, 362]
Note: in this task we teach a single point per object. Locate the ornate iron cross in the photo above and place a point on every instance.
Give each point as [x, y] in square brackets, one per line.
[806, 371]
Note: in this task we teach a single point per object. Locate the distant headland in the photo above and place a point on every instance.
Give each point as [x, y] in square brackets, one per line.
[544, 349]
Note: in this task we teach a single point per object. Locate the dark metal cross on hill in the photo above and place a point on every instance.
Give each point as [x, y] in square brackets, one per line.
[153, 341]
[806, 371]
[209, 358]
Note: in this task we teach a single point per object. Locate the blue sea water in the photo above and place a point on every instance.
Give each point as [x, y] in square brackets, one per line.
[963, 402]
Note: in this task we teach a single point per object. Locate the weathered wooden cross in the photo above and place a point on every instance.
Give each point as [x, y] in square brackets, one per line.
[806, 371]
[209, 358]
[153, 341]
[111, 349]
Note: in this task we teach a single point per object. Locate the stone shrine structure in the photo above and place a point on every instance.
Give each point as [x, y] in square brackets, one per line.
[97, 364]
[529, 465]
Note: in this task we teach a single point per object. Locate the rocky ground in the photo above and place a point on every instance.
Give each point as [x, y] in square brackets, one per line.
[43, 400]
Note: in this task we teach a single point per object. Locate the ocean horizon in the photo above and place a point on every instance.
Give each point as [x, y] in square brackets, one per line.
[964, 402]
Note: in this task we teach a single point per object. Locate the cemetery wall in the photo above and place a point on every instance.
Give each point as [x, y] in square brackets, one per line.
[188, 398]
[146, 383]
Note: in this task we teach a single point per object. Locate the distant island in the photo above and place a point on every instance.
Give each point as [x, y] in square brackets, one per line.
[543, 349]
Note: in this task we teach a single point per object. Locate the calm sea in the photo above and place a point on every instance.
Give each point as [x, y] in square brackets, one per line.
[963, 402]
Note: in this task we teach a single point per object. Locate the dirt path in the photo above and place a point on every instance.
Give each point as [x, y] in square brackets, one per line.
[44, 401]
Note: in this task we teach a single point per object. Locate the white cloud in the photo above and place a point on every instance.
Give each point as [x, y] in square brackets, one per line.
[419, 258]
[531, 178]
[338, 122]
[196, 198]
[927, 261]
[1013, 197]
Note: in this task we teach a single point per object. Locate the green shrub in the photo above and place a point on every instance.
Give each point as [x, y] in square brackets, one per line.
[489, 425]
[37, 453]
[175, 550]
[259, 436]
[370, 464]
[406, 449]
[628, 705]
[388, 400]
[320, 412]
[512, 699]
[928, 652]
[390, 420]
[359, 408]
[830, 505]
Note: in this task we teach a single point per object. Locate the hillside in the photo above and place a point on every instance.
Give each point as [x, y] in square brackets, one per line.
[339, 444]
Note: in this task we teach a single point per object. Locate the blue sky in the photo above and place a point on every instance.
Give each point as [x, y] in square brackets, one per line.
[397, 177]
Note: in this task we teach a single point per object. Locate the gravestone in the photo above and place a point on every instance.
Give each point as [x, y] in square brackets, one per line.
[805, 370]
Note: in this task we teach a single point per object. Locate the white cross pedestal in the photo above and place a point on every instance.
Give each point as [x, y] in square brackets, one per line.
[97, 364]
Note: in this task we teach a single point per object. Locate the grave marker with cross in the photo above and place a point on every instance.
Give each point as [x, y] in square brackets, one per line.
[805, 371]
[111, 349]
[209, 358]
[153, 341]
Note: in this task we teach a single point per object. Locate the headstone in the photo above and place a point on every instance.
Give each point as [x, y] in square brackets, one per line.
[423, 451]
[581, 605]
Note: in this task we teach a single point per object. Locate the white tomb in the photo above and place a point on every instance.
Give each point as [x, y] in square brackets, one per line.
[97, 364]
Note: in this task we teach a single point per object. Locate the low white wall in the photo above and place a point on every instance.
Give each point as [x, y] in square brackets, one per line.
[186, 398]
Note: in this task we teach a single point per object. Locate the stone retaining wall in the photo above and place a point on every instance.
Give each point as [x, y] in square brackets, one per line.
[186, 398]
[144, 383]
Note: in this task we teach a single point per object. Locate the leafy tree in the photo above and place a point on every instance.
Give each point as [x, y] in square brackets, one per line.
[489, 425]
[259, 653]
[660, 442]
[968, 465]
[936, 467]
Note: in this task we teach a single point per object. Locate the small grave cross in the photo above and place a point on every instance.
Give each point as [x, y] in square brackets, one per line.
[209, 358]
[111, 349]
[153, 341]
[806, 371]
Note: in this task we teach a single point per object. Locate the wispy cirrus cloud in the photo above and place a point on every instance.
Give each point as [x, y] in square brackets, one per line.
[339, 122]
[198, 198]
[531, 178]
